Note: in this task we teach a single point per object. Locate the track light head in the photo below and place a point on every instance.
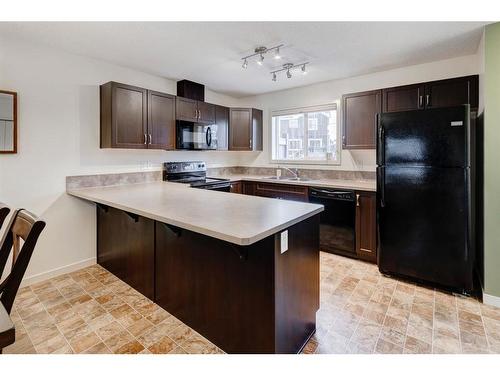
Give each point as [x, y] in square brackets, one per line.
[260, 61]
[245, 64]
[277, 55]
[288, 74]
[303, 69]
[274, 77]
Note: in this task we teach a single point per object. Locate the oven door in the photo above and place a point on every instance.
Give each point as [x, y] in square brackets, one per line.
[193, 136]
[223, 186]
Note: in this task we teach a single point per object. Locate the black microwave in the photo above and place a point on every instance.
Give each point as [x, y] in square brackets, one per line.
[194, 136]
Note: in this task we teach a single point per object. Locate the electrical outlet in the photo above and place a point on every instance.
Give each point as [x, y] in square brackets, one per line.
[284, 241]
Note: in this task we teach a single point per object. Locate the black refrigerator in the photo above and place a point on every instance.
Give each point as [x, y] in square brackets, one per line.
[425, 195]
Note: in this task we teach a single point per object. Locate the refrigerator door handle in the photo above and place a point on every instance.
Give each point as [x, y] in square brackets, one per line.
[380, 144]
[381, 185]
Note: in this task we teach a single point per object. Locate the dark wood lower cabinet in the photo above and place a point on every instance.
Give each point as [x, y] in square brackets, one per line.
[281, 191]
[125, 247]
[366, 232]
[236, 187]
[245, 299]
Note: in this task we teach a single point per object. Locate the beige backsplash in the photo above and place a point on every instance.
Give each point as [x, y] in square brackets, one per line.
[313, 174]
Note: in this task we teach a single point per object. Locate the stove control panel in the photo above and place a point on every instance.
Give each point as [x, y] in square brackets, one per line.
[184, 166]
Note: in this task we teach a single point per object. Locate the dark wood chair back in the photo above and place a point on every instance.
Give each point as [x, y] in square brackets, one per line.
[4, 211]
[23, 226]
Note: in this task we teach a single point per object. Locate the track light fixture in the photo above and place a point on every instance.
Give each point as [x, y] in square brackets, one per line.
[288, 67]
[260, 52]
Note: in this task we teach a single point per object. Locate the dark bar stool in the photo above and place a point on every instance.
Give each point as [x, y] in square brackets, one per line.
[23, 226]
[4, 211]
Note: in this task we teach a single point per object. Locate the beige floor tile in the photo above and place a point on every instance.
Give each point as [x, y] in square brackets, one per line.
[417, 346]
[387, 347]
[100, 348]
[81, 343]
[55, 344]
[139, 327]
[191, 341]
[162, 346]
[115, 342]
[132, 347]
[121, 311]
[109, 330]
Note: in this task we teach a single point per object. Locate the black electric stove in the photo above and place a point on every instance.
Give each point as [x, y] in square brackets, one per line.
[193, 173]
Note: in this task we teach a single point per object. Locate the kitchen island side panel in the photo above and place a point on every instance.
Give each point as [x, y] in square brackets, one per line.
[297, 286]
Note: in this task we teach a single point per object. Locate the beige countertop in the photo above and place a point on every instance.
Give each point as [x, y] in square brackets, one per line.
[364, 185]
[240, 219]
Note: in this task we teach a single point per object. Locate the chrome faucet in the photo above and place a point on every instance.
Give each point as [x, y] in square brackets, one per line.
[294, 171]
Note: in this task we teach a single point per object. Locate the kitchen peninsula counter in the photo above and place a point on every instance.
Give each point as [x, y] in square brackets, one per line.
[241, 270]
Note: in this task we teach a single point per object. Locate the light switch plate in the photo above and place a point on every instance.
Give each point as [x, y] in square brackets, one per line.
[284, 241]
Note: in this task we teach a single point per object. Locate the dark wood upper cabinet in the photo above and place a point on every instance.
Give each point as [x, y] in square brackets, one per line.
[222, 122]
[186, 109]
[245, 129]
[359, 110]
[161, 120]
[194, 111]
[123, 116]
[133, 117]
[366, 234]
[403, 98]
[359, 119]
[206, 113]
[452, 92]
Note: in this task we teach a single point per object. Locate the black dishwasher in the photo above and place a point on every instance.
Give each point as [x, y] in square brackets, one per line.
[337, 221]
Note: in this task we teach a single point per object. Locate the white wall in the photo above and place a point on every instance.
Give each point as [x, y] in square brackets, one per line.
[59, 136]
[331, 91]
[58, 100]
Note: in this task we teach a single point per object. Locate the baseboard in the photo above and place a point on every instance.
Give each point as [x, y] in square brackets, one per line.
[488, 299]
[57, 271]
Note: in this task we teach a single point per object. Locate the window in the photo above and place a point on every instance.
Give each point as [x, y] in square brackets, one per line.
[306, 135]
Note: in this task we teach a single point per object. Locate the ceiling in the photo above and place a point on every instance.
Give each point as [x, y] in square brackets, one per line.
[211, 52]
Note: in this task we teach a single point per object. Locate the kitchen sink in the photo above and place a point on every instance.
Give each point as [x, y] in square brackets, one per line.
[288, 178]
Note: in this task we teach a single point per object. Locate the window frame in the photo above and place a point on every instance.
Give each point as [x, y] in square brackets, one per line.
[298, 110]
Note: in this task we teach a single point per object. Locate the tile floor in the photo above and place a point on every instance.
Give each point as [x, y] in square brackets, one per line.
[364, 312]
[91, 311]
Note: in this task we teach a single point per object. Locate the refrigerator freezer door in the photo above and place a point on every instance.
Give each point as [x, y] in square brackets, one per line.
[423, 224]
[434, 137]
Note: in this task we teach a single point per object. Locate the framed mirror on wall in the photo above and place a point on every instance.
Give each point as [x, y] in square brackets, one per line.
[8, 122]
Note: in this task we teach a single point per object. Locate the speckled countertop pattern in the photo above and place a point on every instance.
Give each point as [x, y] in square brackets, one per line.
[236, 218]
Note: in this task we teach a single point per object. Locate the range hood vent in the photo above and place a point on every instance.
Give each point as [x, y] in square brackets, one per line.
[191, 90]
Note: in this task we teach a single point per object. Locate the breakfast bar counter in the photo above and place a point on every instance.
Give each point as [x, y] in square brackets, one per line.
[241, 270]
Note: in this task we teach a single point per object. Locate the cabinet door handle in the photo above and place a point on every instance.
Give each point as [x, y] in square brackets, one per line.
[145, 139]
[196, 113]
[420, 101]
[427, 100]
[150, 139]
[357, 200]
[199, 114]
